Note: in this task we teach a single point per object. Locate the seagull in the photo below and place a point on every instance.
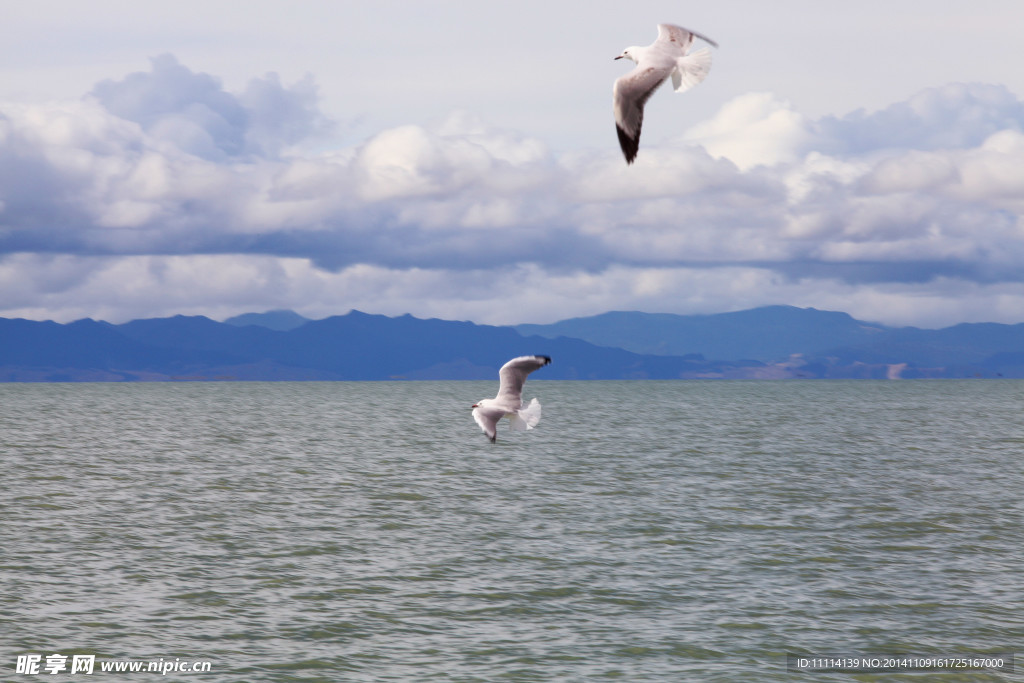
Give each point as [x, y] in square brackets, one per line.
[509, 401]
[667, 56]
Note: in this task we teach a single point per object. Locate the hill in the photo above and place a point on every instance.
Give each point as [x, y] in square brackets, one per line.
[767, 343]
[281, 320]
[811, 343]
[356, 346]
[767, 334]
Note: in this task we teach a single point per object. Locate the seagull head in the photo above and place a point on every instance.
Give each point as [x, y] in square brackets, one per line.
[629, 53]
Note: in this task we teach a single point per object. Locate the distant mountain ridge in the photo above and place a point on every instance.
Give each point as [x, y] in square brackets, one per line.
[356, 346]
[775, 342]
[772, 334]
[779, 332]
[281, 320]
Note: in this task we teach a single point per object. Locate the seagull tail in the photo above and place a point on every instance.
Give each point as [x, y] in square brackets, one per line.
[527, 417]
[691, 69]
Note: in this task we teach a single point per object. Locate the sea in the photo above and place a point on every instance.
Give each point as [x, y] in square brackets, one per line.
[644, 531]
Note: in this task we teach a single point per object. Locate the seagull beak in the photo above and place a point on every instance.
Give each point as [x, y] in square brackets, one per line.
[475, 405]
[619, 57]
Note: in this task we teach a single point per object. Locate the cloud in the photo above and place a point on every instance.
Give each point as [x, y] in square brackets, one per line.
[755, 129]
[168, 165]
[954, 116]
[193, 112]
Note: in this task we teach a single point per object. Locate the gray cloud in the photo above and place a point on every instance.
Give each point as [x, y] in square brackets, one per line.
[172, 103]
[955, 116]
[280, 116]
[193, 111]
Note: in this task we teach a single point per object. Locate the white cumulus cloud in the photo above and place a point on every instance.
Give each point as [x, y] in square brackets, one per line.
[215, 200]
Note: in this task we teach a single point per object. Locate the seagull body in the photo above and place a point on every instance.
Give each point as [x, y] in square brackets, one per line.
[509, 401]
[669, 55]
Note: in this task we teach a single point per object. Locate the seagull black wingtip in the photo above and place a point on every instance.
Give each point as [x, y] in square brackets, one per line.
[629, 146]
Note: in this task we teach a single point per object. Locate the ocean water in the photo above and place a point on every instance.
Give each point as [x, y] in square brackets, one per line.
[644, 531]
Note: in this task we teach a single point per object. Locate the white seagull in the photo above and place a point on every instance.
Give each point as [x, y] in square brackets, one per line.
[509, 401]
[667, 56]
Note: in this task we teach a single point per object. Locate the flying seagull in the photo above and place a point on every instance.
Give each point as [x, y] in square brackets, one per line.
[667, 56]
[509, 401]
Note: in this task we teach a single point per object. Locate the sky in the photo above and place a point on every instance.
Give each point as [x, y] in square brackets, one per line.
[458, 160]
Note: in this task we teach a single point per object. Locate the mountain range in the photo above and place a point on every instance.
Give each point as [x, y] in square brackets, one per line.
[775, 342]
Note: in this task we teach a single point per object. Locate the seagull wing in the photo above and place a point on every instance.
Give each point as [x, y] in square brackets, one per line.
[513, 376]
[673, 38]
[488, 418]
[629, 96]
[683, 37]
